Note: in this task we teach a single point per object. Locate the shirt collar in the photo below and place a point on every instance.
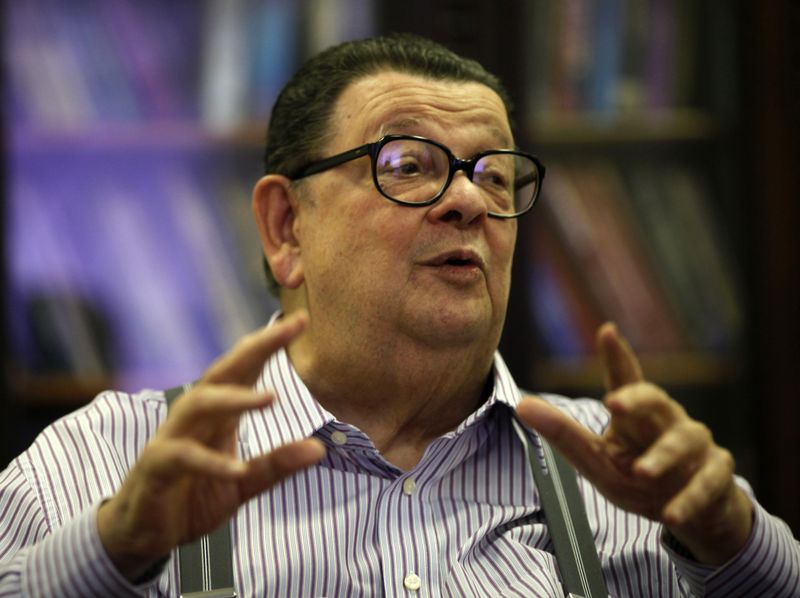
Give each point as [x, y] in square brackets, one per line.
[504, 392]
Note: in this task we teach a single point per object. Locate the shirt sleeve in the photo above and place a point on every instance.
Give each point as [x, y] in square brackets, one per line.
[767, 565]
[38, 561]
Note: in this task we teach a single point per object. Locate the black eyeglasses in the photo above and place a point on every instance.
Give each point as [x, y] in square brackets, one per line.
[415, 171]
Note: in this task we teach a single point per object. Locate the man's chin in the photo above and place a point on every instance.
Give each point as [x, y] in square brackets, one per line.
[456, 328]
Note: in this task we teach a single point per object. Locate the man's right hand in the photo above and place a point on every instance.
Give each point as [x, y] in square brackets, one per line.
[188, 480]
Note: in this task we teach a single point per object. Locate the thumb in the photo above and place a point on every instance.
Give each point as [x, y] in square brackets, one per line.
[620, 364]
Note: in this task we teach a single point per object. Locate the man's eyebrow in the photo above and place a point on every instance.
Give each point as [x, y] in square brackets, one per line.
[411, 125]
[403, 125]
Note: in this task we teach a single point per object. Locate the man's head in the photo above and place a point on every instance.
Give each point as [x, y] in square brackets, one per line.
[367, 269]
[300, 122]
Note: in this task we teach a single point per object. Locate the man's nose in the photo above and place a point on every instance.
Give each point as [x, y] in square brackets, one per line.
[462, 203]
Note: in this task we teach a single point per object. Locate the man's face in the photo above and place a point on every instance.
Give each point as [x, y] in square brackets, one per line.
[439, 274]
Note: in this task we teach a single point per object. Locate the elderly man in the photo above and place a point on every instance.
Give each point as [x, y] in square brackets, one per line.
[363, 442]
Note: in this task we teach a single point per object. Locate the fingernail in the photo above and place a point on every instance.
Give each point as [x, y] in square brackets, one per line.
[237, 467]
[299, 315]
[647, 466]
[317, 446]
[676, 514]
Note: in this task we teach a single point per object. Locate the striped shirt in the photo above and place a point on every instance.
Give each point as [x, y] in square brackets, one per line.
[466, 521]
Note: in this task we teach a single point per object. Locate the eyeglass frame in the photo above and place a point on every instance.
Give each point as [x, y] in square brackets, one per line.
[374, 148]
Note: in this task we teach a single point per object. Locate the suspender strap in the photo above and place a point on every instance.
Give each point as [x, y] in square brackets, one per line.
[206, 565]
[565, 514]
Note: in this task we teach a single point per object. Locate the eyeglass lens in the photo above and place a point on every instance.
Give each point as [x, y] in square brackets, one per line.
[414, 171]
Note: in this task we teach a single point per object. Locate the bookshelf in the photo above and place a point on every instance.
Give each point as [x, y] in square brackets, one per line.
[635, 107]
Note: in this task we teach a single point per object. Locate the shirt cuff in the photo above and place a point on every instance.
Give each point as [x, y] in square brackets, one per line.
[745, 571]
[72, 561]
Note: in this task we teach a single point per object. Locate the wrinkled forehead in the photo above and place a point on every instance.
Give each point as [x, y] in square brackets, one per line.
[394, 102]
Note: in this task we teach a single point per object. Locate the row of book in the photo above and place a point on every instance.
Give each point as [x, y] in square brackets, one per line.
[219, 63]
[616, 56]
[638, 246]
[148, 277]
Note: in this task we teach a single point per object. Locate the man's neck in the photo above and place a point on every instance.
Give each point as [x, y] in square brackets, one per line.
[400, 395]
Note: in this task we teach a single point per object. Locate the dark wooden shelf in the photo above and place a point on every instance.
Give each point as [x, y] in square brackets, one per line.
[647, 127]
[669, 370]
[62, 390]
[178, 135]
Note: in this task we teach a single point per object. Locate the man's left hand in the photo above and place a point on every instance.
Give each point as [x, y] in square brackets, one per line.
[653, 459]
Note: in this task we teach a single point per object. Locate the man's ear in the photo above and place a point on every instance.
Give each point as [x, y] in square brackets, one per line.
[275, 210]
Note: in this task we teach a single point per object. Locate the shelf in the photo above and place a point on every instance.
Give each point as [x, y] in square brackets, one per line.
[62, 390]
[596, 129]
[668, 370]
[553, 130]
[578, 374]
[177, 135]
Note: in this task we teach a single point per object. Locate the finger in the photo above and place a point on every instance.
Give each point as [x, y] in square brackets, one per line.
[269, 469]
[641, 399]
[578, 444]
[243, 363]
[620, 364]
[213, 405]
[678, 447]
[705, 488]
[641, 412]
[178, 457]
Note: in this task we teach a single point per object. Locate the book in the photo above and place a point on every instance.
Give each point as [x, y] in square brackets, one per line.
[597, 229]
[659, 75]
[562, 307]
[607, 40]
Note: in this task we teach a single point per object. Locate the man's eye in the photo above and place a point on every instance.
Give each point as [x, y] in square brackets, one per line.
[405, 166]
[495, 179]
[499, 180]
[409, 168]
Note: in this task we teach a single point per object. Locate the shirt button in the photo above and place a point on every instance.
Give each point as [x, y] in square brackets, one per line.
[339, 437]
[409, 485]
[412, 582]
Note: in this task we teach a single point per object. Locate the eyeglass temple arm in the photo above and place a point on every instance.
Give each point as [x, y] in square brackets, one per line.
[332, 162]
[529, 178]
[524, 180]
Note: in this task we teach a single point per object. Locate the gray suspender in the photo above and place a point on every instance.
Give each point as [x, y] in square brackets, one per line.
[206, 565]
[565, 514]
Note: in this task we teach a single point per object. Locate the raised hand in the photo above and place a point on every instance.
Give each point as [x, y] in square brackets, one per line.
[188, 479]
[653, 459]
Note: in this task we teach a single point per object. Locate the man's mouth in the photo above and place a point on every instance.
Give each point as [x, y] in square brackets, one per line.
[457, 259]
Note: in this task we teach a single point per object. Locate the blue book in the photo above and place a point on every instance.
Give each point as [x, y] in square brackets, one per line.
[603, 86]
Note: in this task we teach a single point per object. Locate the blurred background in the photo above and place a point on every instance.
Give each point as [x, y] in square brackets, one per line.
[132, 137]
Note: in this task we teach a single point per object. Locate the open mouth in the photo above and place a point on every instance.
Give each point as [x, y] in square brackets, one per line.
[456, 261]
[463, 261]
